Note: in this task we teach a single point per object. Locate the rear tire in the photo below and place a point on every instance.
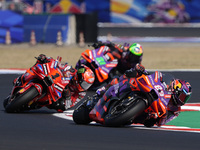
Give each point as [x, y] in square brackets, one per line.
[19, 101]
[124, 116]
[81, 115]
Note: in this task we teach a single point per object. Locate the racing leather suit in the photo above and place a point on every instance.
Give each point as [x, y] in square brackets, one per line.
[119, 52]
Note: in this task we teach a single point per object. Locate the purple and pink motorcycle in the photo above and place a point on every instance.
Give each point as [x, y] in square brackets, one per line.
[134, 100]
[167, 12]
[101, 63]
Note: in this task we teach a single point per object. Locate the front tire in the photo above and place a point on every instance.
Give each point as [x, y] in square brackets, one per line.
[19, 101]
[122, 116]
[81, 115]
[5, 102]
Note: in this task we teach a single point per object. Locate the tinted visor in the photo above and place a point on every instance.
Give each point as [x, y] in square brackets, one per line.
[184, 97]
[85, 85]
[133, 58]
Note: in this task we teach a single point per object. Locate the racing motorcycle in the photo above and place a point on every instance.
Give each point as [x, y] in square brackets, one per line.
[136, 100]
[99, 61]
[41, 85]
[167, 12]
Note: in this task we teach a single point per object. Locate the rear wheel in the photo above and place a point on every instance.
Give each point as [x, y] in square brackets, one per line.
[16, 104]
[120, 114]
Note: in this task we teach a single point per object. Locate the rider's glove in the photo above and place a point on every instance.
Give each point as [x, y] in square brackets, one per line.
[101, 91]
[130, 73]
[140, 69]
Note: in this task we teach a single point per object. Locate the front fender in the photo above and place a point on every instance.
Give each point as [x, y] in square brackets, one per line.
[36, 85]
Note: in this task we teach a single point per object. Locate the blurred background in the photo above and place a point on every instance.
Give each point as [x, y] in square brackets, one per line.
[72, 21]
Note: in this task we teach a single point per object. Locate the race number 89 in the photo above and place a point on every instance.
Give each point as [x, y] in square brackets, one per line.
[159, 89]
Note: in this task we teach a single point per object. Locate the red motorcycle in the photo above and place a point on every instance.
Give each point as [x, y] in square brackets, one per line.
[41, 85]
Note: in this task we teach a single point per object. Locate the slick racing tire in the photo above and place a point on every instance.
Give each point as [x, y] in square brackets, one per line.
[19, 101]
[120, 116]
[5, 102]
[81, 115]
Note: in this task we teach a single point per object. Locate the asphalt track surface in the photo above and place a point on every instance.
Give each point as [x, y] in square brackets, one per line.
[40, 130]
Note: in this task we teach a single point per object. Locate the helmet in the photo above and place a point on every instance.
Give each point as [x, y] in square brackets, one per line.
[84, 78]
[182, 91]
[135, 53]
[68, 71]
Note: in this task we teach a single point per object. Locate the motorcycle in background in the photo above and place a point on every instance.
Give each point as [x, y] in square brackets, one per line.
[103, 65]
[147, 96]
[41, 85]
[167, 12]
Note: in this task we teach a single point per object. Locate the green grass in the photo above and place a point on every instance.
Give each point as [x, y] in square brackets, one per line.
[187, 119]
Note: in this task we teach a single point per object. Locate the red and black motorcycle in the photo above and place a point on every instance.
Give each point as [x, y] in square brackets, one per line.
[41, 85]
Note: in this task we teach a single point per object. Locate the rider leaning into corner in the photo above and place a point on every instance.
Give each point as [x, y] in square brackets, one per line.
[128, 55]
[180, 93]
[81, 80]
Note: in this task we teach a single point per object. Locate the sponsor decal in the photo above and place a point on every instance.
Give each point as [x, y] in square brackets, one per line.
[58, 87]
[163, 100]
[94, 53]
[45, 69]
[90, 55]
[58, 93]
[151, 80]
[100, 60]
[103, 72]
[111, 65]
[38, 88]
[55, 76]
[55, 64]
[105, 69]
[100, 50]
[67, 68]
[40, 67]
[52, 64]
[21, 91]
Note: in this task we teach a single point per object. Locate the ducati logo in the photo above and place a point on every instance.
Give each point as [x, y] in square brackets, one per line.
[55, 76]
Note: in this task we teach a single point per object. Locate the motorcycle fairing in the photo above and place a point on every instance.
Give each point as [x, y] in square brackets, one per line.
[104, 61]
[155, 83]
[52, 77]
[145, 84]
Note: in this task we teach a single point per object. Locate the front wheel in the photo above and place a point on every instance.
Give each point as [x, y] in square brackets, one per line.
[119, 115]
[16, 104]
[81, 114]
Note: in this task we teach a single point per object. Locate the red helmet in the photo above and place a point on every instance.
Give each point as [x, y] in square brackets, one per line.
[85, 78]
[182, 91]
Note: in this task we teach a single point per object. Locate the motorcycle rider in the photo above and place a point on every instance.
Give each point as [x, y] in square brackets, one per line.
[80, 81]
[180, 93]
[128, 55]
